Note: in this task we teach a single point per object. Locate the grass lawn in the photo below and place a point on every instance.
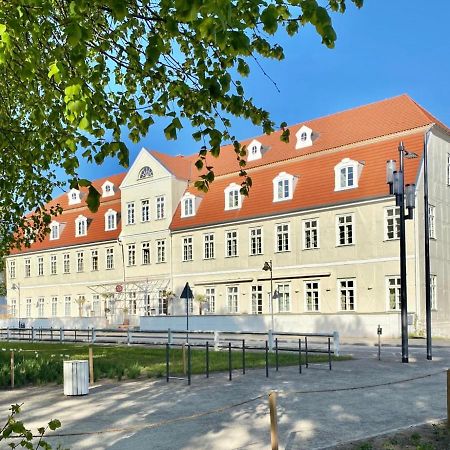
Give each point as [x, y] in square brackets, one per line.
[40, 363]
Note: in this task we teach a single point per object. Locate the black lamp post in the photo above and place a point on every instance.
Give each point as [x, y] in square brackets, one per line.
[268, 267]
[404, 196]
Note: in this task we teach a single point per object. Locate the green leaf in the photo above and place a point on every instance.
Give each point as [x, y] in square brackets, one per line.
[73, 32]
[93, 199]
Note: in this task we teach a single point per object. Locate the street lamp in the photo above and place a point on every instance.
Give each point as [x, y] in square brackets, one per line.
[268, 267]
[404, 196]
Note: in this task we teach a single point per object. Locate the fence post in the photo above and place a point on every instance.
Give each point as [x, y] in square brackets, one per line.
[169, 336]
[128, 336]
[8, 334]
[167, 362]
[93, 335]
[12, 369]
[61, 334]
[273, 420]
[329, 353]
[300, 355]
[216, 341]
[91, 365]
[267, 360]
[306, 351]
[243, 356]
[336, 342]
[207, 359]
[270, 339]
[276, 354]
[33, 334]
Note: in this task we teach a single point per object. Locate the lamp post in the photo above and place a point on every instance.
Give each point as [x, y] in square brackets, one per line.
[268, 267]
[404, 196]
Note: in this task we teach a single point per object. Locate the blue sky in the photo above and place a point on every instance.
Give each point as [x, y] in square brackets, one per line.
[387, 48]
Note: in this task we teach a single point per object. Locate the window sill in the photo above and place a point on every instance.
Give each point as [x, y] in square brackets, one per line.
[282, 251]
[391, 239]
[345, 245]
[256, 254]
[231, 256]
[311, 248]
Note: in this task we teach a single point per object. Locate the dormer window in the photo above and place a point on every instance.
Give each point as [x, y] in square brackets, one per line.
[255, 150]
[233, 198]
[80, 226]
[189, 203]
[110, 220]
[283, 187]
[54, 230]
[346, 174]
[145, 172]
[107, 189]
[74, 196]
[304, 137]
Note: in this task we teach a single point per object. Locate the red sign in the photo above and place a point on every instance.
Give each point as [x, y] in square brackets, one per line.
[119, 288]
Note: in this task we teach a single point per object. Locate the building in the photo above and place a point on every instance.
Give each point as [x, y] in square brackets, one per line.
[319, 213]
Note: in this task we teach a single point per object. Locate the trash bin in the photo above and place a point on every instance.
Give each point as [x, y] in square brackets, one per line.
[76, 377]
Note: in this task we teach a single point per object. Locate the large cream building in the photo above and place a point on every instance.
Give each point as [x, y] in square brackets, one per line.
[319, 213]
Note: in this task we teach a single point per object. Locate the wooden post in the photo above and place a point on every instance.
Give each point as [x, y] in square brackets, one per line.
[448, 399]
[91, 365]
[184, 359]
[12, 369]
[273, 420]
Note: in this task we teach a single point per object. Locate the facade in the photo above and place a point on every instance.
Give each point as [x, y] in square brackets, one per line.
[319, 213]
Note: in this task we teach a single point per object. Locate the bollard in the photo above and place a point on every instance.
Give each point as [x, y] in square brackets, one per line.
[167, 362]
[243, 356]
[300, 355]
[61, 334]
[189, 364]
[329, 353]
[12, 369]
[91, 365]
[207, 359]
[336, 342]
[306, 352]
[267, 360]
[276, 354]
[273, 420]
[229, 362]
[216, 341]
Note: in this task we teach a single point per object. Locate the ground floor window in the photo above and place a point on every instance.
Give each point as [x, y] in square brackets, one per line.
[210, 294]
[433, 291]
[284, 298]
[312, 295]
[347, 294]
[67, 306]
[393, 293]
[13, 308]
[232, 299]
[54, 306]
[28, 307]
[257, 299]
[96, 305]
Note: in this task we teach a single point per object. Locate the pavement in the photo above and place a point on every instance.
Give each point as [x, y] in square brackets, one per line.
[317, 409]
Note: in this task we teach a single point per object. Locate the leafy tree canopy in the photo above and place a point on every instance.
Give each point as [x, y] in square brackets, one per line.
[78, 77]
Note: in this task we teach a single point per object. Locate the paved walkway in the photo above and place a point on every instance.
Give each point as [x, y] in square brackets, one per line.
[316, 409]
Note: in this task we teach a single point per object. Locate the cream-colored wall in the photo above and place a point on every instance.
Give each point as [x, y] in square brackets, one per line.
[369, 260]
[439, 196]
[73, 284]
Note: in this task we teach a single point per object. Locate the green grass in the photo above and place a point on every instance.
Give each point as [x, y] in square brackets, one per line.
[41, 363]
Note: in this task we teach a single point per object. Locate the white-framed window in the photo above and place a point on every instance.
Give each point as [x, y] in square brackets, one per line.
[54, 306]
[161, 251]
[282, 236]
[131, 254]
[283, 187]
[256, 241]
[188, 205]
[74, 196]
[233, 199]
[187, 248]
[94, 260]
[67, 306]
[210, 297]
[145, 172]
[54, 230]
[131, 217]
[231, 243]
[27, 262]
[96, 305]
[80, 261]
[66, 263]
[304, 137]
[208, 246]
[40, 307]
[254, 150]
[110, 220]
[13, 308]
[160, 207]
[347, 294]
[80, 226]
[392, 223]
[107, 189]
[310, 234]
[284, 297]
[433, 291]
[145, 253]
[346, 174]
[133, 302]
[28, 307]
[393, 292]
[345, 234]
[110, 258]
[312, 293]
[432, 221]
[257, 299]
[53, 265]
[232, 299]
[145, 210]
[40, 264]
[12, 269]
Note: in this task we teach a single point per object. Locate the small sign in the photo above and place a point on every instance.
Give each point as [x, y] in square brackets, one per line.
[187, 293]
[119, 288]
[379, 330]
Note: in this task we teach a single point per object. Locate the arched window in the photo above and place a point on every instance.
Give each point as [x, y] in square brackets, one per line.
[80, 226]
[145, 172]
[110, 220]
[233, 198]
